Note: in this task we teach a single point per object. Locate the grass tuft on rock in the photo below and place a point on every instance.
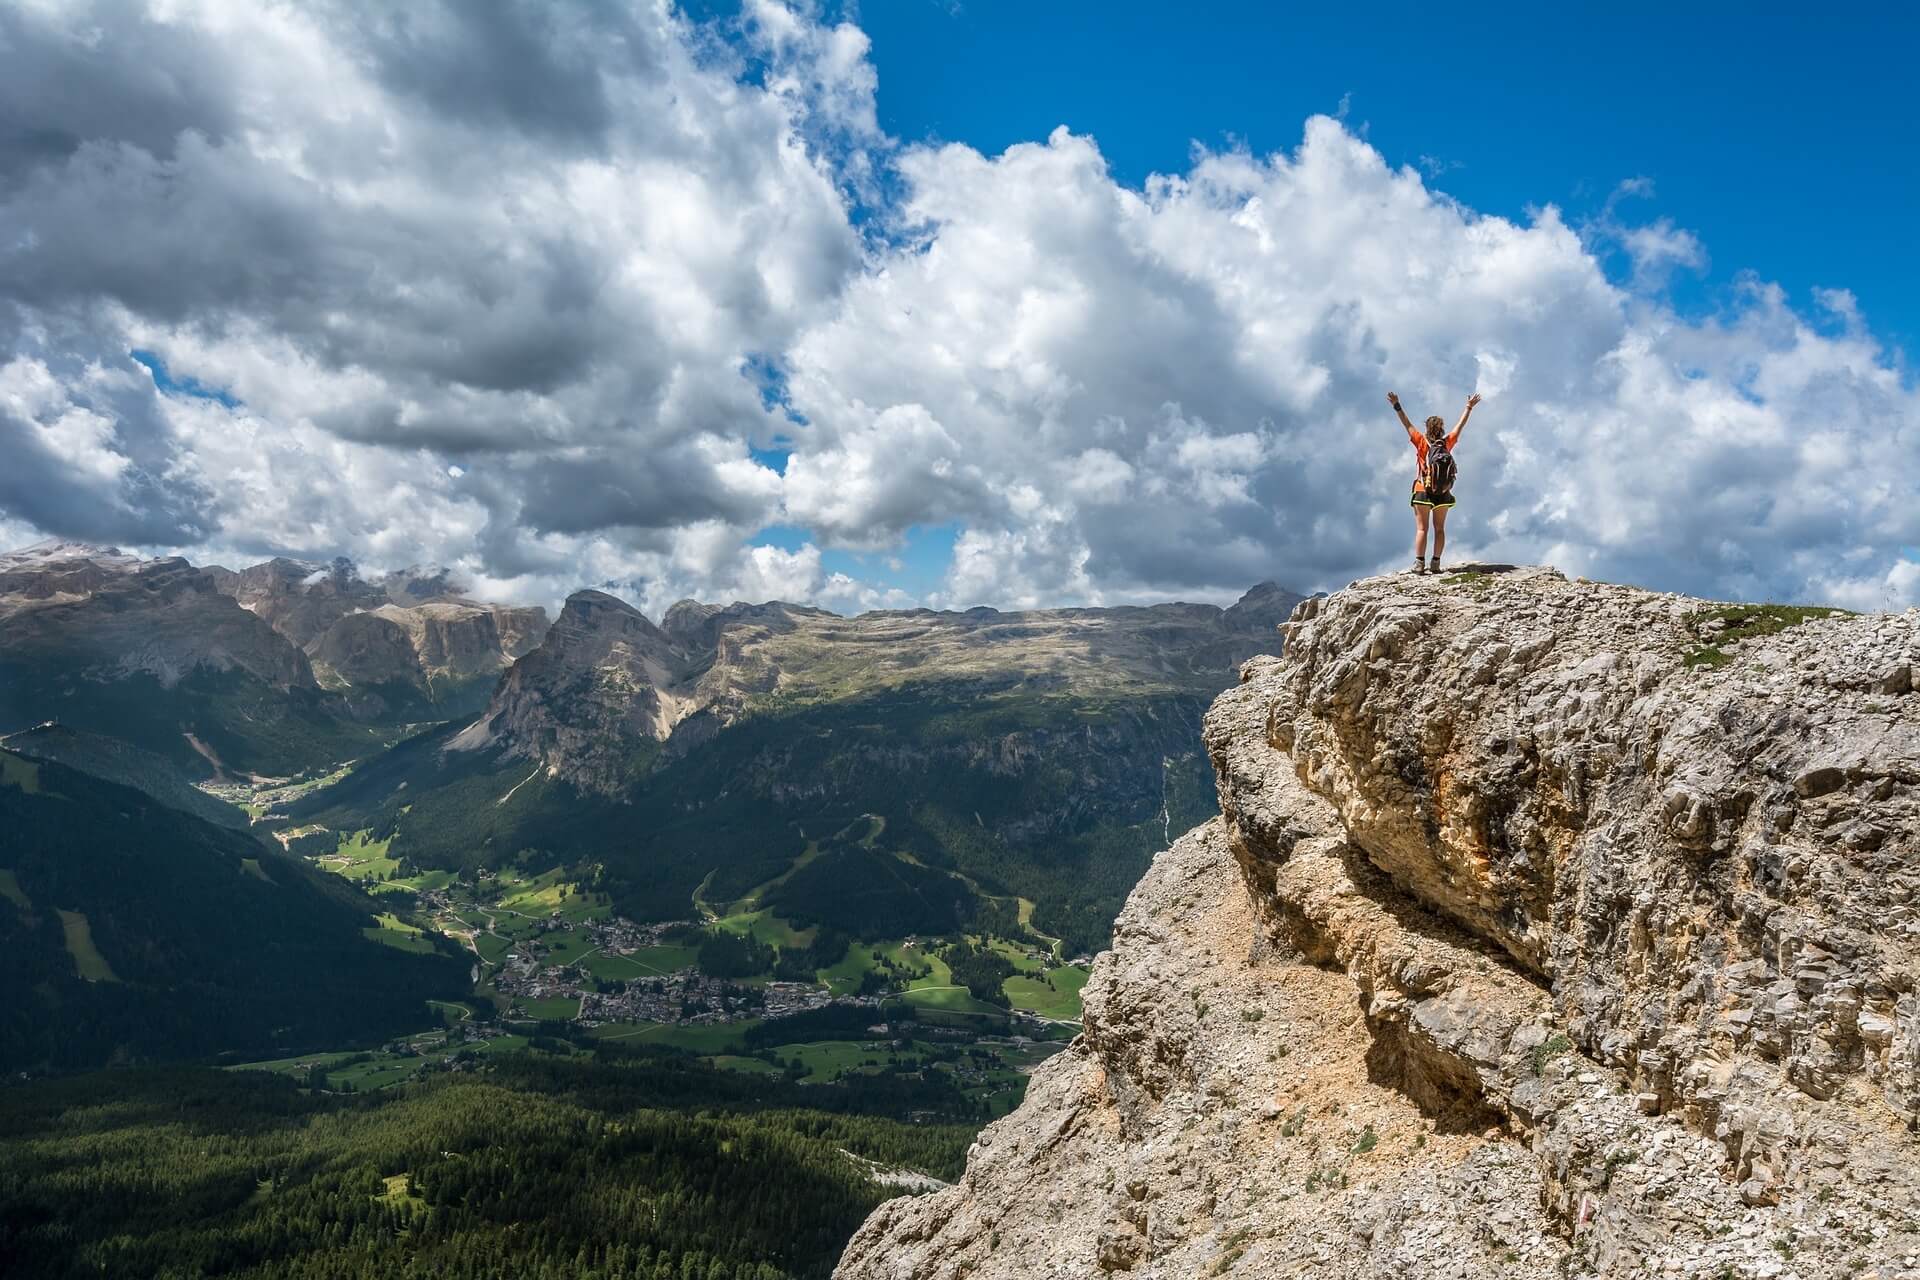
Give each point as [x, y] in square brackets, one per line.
[1549, 1049]
[1471, 580]
[1727, 624]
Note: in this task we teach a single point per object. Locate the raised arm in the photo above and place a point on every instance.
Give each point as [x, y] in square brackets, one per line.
[1394, 400]
[1464, 415]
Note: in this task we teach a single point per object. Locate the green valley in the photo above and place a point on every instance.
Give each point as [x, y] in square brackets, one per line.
[738, 983]
[728, 927]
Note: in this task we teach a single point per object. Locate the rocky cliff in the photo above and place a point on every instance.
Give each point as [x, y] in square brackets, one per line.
[1549, 928]
[392, 639]
[111, 615]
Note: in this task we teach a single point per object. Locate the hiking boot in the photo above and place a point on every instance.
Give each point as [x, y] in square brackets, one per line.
[1419, 566]
[1434, 565]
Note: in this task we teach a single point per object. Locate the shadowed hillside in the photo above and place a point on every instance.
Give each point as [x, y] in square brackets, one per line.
[132, 932]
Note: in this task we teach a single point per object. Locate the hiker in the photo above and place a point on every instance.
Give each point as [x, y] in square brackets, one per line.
[1433, 483]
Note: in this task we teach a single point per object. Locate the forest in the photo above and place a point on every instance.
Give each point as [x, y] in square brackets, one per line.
[625, 1166]
[132, 932]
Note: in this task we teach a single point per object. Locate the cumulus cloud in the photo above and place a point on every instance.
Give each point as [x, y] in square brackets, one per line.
[1181, 389]
[529, 289]
[533, 242]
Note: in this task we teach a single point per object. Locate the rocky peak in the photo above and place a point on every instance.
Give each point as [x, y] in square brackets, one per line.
[1263, 606]
[413, 628]
[697, 627]
[117, 615]
[691, 623]
[603, 681]
[419, 584]
[301, 598]
[588, 611]
[1549, 928]
[55, 568]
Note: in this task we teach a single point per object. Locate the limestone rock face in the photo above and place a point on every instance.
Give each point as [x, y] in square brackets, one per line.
[1542, 933]
[113, 615]
[411, 629]
[298, 598]
[601, 684]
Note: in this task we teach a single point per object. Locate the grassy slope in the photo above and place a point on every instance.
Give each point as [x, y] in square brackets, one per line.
[252, 726]
[112, 760]
[148, 935]
[1070, 827]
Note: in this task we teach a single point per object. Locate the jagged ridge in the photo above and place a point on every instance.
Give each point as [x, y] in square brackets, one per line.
[405, 637]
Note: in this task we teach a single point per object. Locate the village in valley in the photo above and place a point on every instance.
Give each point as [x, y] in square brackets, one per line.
[555, 970]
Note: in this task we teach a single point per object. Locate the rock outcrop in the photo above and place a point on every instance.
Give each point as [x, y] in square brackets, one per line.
[109, 616]
[1548, 929]
[413, 633]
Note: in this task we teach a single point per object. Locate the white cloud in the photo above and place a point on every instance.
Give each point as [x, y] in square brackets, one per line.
[79, 439]
[483, 282]
[1193, 377]
[529, 242]
[771, 573]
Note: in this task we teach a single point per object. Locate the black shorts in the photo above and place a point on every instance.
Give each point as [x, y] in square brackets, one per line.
[1427, 498]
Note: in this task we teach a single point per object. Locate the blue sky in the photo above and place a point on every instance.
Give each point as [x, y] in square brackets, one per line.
[915, 567]
[1758, 128]
[1785, 136]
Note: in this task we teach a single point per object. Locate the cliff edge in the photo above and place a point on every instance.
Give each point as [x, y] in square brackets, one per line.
[1549, 928]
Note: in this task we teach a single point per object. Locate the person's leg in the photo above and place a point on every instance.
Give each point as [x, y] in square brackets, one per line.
[1439, 531]
[1420, 534]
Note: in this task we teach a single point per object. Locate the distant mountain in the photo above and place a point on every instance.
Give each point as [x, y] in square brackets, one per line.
[276, 669]
[1041, 755]
[151, 652]
[604, 681]
[133, 932]
[112, 760]
[608, 685]
[407, 644]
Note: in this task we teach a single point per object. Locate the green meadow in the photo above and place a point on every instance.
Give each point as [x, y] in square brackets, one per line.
[360, 857]
[86, 957]
[1060, 1001]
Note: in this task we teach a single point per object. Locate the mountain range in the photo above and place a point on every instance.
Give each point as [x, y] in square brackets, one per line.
[1039, 755]
[409, 642]
[271, 671]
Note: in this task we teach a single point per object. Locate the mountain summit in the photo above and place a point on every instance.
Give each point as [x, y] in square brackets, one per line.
[603, 679]
[1548, 927]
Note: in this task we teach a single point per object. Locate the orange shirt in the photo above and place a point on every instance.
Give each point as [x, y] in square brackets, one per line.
[1419, 439]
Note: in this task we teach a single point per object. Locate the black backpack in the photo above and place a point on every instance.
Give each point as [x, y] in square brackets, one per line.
[1440, 468]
